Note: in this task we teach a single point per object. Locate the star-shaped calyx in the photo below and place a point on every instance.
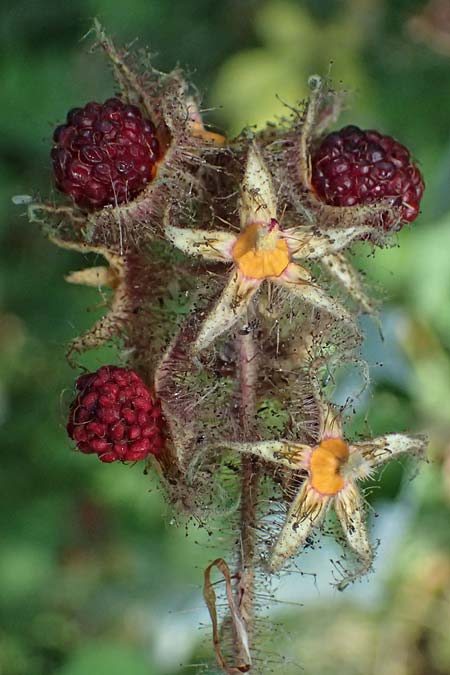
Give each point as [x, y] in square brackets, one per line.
[262, 251]
[333, 467]
[290, 157]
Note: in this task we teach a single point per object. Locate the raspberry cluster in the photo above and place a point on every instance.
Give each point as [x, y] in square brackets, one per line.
[115, 416]
[352, 166]
[105, 154]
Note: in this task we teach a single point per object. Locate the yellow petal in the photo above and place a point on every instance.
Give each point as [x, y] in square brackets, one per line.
[199, 131]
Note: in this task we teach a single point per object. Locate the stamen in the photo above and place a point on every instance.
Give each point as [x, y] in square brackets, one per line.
[259, 253]
[326, 462]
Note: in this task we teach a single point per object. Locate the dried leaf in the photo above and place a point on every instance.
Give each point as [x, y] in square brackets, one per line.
[239, 629]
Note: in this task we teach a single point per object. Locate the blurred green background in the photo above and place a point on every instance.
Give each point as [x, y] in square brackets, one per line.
[96, 578]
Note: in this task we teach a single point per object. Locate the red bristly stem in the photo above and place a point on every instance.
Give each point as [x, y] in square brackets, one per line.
[250, 475]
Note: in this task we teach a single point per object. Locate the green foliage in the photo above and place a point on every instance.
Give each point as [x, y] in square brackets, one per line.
[272, 417]
[254, 85]
[106, 658]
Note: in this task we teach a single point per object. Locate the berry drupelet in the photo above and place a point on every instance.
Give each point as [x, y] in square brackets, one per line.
[105, 154]
[115, 416]
[352, 166]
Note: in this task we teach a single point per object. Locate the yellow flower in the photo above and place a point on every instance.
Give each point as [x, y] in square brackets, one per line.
[333, 467]
[262, 251]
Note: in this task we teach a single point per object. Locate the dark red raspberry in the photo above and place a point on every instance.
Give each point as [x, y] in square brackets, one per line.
[115, 416]
[105, 154]
[352, 166]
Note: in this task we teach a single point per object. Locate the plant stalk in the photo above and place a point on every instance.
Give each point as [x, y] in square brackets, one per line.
[250, 477]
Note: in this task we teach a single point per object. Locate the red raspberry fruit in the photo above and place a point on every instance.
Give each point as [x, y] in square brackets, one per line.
[115, 416]
[105, 154]
[352, 166]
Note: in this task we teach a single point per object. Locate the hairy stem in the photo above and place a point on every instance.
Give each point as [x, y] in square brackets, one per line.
[250, 475]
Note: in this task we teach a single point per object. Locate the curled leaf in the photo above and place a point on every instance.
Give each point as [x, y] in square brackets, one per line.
[239, 629]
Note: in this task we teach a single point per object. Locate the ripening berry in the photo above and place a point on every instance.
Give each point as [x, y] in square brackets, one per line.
[105, 154]
[352, 166]
[115, 416]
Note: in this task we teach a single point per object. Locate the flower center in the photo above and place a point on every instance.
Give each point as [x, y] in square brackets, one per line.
[325, 465]
[259, 252]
